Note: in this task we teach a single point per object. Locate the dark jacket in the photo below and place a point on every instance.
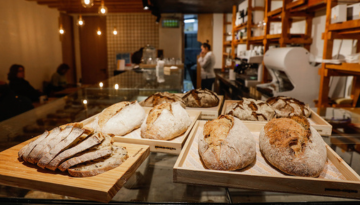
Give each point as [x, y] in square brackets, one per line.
[22, 87]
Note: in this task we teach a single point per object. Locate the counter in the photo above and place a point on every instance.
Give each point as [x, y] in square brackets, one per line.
[153, 180]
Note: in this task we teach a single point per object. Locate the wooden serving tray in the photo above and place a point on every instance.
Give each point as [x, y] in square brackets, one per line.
[102, 187]
[337, 178]
[166, 146]
[317, 122]
[206, 113]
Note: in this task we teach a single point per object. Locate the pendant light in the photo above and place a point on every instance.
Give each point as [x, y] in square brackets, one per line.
[87, 3]
[115, 31]
[98, 32]
[103, 9]
[80, 21]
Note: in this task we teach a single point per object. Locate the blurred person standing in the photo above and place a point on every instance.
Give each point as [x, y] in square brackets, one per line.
[207, 62]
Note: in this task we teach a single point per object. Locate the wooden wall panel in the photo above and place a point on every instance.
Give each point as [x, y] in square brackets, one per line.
[67, 44]
[93, 50]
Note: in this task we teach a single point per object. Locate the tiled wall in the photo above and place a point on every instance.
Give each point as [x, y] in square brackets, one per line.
[135, 30]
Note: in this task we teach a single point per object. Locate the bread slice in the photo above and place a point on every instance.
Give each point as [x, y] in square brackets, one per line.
[73, 137]
[226, 144]
[165, 121]
[117, 157]
[24, 152]
[96, 152]
[36, 154]
[91, 141]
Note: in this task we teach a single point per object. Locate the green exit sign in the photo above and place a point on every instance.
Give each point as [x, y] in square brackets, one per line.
[170, 23]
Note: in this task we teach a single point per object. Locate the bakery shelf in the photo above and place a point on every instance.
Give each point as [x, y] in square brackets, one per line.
[348, 67]
[273, 36]
[275, 12]
[310, 6]
[239, 27]
[353, 24]
[257, 38]
[227, 43]
[295, 4]
[241, 41]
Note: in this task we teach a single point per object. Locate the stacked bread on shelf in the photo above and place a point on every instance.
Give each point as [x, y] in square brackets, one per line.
[74, 148]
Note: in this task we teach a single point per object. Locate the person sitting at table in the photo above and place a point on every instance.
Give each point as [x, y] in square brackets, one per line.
[58, 79]
[19, 85]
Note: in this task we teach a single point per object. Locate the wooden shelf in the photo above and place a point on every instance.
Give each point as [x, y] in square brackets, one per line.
[239, 27]
[227, 43]
[229, 23]
[348, 67]
[353, 24]
[295, 4]
[275, 12]
[241, 41]
[258, 8]
[273, 36]
[257, 38]
[310, 6]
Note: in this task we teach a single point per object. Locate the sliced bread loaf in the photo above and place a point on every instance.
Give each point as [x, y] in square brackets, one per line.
[92, 168]
[91, 141]
[25, 151]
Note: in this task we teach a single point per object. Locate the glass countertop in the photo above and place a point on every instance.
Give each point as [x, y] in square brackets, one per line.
[153, 180]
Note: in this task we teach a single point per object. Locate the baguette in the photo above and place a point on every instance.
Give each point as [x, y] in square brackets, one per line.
[95, 139]
[72, 137]
[117, 157]
[98, 151]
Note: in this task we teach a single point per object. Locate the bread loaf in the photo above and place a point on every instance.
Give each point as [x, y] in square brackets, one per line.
[25, 151]
[159, 98]
[117, 157]
[119, 119]
[226, 144]
[165, 121]
[292, 146]
[250, 109]
[287, 106]
[201, 98]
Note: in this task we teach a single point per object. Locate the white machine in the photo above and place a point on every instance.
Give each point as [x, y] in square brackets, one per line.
[292, 75]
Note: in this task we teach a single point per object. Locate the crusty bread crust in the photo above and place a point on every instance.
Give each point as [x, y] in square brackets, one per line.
[25, 151]
[226, 144]
[165, 121]
[292, 146]
[159, 98]
[201, 98]
[287, 106]
[250, 109]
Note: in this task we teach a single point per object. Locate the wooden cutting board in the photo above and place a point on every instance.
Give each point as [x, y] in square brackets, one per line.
[102, 187]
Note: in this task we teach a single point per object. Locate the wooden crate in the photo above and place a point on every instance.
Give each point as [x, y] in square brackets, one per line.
[102, 187]
[206, 113]
[317, 122]
[337, 179]
[166, 146]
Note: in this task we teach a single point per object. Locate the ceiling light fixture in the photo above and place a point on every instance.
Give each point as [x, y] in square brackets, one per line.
[80, 21]
[102, 9]
[87, 3]
[61, 30]
[115, 31]
[145, 4]
[98, 32]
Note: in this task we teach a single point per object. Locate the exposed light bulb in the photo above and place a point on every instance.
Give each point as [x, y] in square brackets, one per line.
[115, 31]
[87, 3]
[85, 102]
[61, 30]
[81, 21]
[101, 84]
[116, 86]
[102, 9]
[99, 32]
[146, 8]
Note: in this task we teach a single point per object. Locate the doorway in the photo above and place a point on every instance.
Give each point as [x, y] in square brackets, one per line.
[191, 50]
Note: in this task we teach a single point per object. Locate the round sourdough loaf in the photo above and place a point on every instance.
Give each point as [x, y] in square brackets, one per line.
[292, 146]
[200, 98]
[287, 106]
[226, 144]
[164, 97]
[120, 118]
[250, 109]
[165, 121]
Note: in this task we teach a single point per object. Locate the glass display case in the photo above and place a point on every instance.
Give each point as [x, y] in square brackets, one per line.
[152, 182]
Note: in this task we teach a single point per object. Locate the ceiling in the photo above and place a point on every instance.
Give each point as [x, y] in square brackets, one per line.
[164, 6]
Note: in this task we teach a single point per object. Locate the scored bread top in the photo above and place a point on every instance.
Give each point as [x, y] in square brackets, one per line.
[250, 109]
[162, 97]
[109, 112]
[201, 98]
[293, 132]
[156, 112]
[287, 106]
